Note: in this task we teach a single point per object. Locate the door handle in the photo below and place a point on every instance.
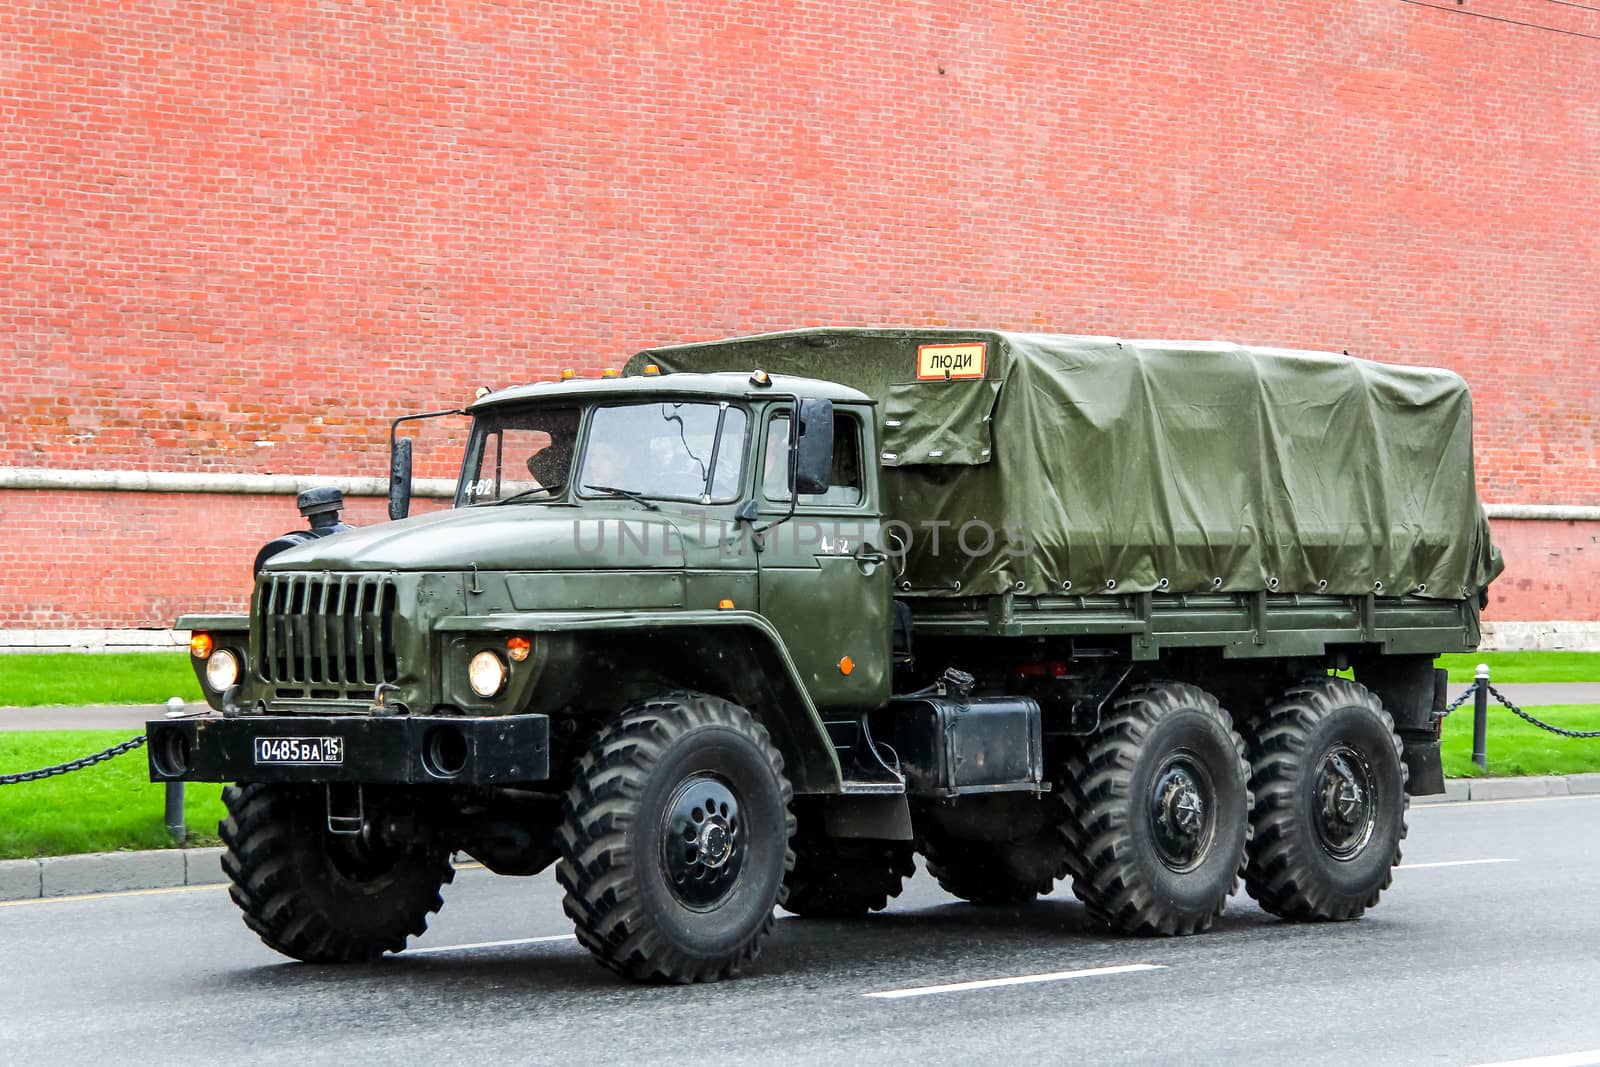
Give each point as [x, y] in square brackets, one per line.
[868, 559]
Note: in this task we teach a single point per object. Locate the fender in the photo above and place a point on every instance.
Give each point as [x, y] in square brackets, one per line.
[783, 705]
[230, 631]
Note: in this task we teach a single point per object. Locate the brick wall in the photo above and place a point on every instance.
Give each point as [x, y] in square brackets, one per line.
[239, 236]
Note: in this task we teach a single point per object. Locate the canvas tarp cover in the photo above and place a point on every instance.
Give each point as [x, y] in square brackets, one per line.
[1138, 466]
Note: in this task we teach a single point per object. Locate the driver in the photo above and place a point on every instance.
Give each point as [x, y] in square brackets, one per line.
[604, 464]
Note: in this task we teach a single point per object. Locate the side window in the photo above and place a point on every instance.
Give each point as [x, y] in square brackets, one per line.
[844, 489]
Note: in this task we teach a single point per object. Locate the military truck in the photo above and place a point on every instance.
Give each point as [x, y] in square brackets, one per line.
[753, 622]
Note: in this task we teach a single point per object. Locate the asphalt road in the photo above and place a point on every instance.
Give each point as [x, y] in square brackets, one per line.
[1465, 962]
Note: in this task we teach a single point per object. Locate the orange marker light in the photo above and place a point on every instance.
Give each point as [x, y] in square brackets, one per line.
[846, 665]
[568, 374]
[200, 645]
[611, 372]
[725, 605]
[518, 647]
[651, 368]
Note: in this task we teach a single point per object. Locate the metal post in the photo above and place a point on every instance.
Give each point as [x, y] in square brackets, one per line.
[176, 825]
[1480, 717]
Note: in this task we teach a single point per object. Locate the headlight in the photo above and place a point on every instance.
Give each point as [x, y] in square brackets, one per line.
[222, 670]
[487, 674]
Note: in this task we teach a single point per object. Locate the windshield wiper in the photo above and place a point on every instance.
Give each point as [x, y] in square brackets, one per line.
[626, 494]
[525, 494]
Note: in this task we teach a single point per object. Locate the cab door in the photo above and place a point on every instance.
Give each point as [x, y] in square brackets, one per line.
[825, 579]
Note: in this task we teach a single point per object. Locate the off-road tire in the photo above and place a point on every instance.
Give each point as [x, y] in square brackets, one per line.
[1151, 733]
[846, 878]
[997, 873]
[638, 770]
[316, 896]
[1292, 871]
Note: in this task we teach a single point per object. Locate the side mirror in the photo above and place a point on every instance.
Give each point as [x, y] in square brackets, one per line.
[812, 461]
[400, 478]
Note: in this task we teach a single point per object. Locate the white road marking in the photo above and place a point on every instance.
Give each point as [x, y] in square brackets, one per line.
[1565, 1059]
[1025, 979]
[1449, 863]
[432, 949]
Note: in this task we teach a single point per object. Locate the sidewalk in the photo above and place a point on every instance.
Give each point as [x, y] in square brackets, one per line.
[128, 717]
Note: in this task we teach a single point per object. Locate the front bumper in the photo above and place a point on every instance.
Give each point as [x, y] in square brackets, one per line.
[395, 750]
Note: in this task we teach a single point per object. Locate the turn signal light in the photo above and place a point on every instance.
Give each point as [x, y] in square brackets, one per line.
[846, 665]
[200, 645]
[518, 647]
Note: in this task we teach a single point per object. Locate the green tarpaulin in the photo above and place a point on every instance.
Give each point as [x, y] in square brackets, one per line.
[1139, 466]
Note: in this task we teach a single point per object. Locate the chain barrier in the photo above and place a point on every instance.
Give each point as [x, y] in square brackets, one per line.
[1518, 712]
[1460, 700]
[75, 765]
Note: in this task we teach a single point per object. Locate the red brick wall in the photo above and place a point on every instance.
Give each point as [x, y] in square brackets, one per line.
[1552, 571]
[238, 236]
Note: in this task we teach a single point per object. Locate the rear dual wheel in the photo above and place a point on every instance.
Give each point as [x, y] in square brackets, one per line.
[1330, 783]
[1159, 805]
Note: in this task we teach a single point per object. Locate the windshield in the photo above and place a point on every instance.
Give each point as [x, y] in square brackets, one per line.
[520, 453]
[661, 449]
[674, 450]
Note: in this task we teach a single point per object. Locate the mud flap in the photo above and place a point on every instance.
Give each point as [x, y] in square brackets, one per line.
[1426, 769]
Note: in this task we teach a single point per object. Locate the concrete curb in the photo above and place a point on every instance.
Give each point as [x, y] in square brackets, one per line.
[169, 868]
[1556, 785]
[109, 872]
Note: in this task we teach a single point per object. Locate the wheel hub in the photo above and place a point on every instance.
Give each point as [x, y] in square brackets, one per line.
[702, 842]
[1181, 810]
[1346, 814]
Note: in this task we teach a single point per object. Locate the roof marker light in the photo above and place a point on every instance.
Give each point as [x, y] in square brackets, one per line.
[760, 377]
[651, 368]
[611, 372]
[568, 374]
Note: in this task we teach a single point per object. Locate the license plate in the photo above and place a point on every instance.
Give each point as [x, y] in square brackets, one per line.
[301, 751]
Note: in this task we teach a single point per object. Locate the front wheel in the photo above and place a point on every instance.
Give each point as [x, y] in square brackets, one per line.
[845, 878]
[318, 896]
[675, 840]
[997, 873]
[1330, 813]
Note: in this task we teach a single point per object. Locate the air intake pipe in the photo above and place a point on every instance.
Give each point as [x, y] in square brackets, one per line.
[320, 508]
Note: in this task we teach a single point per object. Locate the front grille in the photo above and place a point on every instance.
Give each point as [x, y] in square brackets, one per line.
[330, 630]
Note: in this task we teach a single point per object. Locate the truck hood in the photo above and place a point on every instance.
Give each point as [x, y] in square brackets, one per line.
[513, 537]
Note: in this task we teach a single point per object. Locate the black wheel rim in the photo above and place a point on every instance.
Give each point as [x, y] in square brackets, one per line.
[1345, 807]
[1183, 812]
[702, 842]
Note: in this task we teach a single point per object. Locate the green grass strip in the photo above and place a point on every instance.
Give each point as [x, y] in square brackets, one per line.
[1518, 748]
[105, 808]
[1505, 667]
[29, 679]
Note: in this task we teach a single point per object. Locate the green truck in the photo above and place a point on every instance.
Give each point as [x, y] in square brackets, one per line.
[753, 622]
